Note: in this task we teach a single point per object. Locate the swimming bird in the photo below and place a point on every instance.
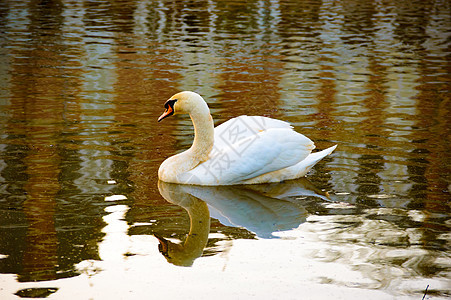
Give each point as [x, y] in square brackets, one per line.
[242, 150]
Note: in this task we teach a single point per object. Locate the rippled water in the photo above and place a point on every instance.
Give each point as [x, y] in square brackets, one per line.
[83, 82]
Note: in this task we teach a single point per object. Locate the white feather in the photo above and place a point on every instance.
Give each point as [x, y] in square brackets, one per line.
[263, 152]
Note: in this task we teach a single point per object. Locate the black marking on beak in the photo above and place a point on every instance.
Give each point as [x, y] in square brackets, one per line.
[169, 105]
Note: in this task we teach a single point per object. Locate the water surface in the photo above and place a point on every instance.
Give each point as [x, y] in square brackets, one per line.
[82, 214]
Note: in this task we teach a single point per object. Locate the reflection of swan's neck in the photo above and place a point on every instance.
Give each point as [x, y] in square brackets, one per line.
[199, 228]
[193, 247]
[203, 132]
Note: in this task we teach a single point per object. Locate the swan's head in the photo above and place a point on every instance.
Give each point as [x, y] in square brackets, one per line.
[184, 103]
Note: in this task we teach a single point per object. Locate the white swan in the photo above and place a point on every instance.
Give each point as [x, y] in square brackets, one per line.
[243, 150]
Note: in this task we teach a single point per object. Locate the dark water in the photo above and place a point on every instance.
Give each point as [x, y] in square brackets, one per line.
[83, 82]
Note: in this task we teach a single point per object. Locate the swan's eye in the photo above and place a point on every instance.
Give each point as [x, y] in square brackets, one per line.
[170, 103]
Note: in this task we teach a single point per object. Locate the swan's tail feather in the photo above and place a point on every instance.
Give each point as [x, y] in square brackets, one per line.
[298, 170]
[303, 167]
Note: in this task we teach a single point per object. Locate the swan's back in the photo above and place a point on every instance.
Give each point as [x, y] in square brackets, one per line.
[242, 127]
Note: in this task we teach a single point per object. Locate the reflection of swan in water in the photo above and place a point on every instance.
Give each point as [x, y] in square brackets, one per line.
[185, 254]
[262, 209]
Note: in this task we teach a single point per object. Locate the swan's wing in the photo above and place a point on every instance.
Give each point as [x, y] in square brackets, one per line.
[264, 152]
[294, 171]
[243, 127]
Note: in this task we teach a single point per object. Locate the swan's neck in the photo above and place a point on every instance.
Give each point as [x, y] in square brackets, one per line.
[199, 151]
[203, 134]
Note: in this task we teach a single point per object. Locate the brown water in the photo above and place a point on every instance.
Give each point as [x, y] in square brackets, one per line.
[83, 82]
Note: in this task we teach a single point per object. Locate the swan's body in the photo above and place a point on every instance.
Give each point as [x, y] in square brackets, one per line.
[243, 150]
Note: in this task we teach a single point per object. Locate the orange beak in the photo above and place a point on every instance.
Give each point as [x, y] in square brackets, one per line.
[167, 113]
